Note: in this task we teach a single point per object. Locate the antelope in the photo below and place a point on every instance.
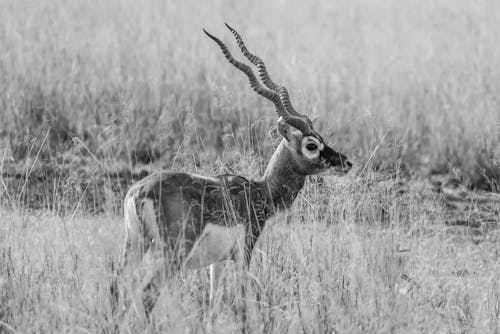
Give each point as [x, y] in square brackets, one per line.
[186, 221]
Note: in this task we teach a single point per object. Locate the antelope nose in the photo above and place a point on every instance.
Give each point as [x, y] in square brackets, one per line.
[347, 165]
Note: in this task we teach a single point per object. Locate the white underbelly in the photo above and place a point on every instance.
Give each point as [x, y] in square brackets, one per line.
[214, 244]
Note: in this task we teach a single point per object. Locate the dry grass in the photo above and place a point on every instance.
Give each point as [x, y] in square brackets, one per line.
[92, 87]
[356, 256]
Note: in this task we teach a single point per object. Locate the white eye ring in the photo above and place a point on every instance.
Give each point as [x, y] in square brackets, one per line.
[311, 147]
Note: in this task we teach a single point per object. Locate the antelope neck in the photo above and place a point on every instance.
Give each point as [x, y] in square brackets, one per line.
[281, 179]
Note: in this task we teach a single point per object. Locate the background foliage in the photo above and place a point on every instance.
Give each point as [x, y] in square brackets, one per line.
[410, 84]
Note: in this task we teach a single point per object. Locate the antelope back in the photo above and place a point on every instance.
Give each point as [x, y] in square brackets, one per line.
[174, 210]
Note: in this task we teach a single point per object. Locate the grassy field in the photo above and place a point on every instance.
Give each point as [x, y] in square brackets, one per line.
[355, 256]
[408, 89]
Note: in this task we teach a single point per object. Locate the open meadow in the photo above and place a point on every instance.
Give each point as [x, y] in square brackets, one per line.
[95, 95]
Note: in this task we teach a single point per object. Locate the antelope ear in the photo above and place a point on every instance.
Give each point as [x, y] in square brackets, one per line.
[284, 128]
[289, 132]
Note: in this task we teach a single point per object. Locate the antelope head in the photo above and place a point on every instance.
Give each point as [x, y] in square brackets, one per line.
[311, 153]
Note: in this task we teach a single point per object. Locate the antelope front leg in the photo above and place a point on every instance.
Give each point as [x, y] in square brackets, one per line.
[244, 266]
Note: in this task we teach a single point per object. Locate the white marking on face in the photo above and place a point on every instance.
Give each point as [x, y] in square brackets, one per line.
[311, 147]
[214, 244]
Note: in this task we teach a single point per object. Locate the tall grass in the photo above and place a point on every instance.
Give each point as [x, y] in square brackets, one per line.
[355, 256]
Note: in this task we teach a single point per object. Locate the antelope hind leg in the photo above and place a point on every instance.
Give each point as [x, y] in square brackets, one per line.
[216, 270]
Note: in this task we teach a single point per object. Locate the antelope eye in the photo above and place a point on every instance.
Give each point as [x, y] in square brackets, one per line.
[311, 147]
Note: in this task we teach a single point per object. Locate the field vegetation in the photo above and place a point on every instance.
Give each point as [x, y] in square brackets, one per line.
[97, 94]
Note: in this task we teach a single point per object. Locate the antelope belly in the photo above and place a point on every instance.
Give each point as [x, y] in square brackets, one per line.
[214, 244]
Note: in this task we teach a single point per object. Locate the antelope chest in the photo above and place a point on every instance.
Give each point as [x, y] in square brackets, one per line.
[214, 244]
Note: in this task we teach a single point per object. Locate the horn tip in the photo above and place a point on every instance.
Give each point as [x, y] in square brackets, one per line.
[208, 34]
[228, 26]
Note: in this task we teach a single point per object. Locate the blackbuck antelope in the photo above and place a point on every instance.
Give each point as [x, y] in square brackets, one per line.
[186, 221]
